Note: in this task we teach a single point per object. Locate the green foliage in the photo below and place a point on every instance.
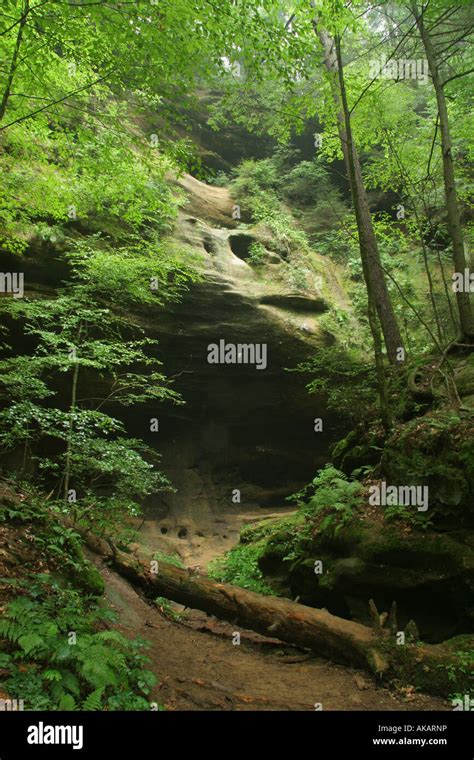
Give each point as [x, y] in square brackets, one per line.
[166, 609]
[255, 532]
[101, 671]
[239, 566]
[303, 183]
[330, 498]
[59, 110]
[256, 255]
[143, 269]
[75, 160]
[435, 449]
[347, 381]
[462, 669]
[24, 510]
[60, 546]
[76, 336]
[53, 184]
[169, 559]
[255, 188]
[60, 543]
[406, 515]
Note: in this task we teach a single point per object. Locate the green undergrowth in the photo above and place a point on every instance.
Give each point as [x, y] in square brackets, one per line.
[169, 559]
[330, 500]
[57, 658]
[59, 648]
[436, 450]
[240, 567]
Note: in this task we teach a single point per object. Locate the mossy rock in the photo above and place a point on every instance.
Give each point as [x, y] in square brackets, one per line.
[351, 452]
[464, 377]
[423, 551]
[430, 575]
[436, 450]
[274, 552]
[265, 528]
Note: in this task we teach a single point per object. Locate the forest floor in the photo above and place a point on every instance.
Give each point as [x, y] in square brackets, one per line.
[199, 668]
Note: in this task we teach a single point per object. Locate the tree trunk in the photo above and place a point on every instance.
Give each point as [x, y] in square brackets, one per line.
[452, 205]
[337, 639]
[371, 264]
[385, 411]
[67, 466]
[14, 60]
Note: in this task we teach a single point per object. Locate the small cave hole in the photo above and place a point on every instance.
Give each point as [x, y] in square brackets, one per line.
[209, 246]
[163, 530]
[240, 245]
[182, 533]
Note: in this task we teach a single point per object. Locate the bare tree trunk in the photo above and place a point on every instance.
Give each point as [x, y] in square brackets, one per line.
[67, 467]
[385, 412]
[454, 321]
[369, 253]
[452, 205]
[14, 60]
[410, 189]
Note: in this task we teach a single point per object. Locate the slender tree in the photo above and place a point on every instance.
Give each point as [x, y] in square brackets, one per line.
[452, 203]
[14, 58]
[372, 267]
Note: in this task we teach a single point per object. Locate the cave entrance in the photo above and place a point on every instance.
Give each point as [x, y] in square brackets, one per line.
[240, 245]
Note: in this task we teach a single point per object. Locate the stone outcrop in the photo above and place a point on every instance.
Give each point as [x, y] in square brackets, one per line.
[240, 428]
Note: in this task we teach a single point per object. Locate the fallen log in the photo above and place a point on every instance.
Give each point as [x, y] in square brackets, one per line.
[430, 667]
[338, 639]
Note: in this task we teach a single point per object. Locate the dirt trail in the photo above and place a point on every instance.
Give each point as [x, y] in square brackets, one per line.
[195, 661]
[199, 668]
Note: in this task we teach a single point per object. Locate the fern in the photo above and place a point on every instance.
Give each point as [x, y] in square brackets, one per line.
[93, 701]
[98, 673]
[10, 630]
[67, 702]
[71, 683]
[102, 670]
[52, 675]
[330, 496]
[30, 642]
[112, 636]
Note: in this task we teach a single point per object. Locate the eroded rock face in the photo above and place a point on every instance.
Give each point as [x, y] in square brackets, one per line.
[245, 432]
[243, 428]
[296, 302]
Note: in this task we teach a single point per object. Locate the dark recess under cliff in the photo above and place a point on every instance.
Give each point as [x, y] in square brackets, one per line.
[241, 427]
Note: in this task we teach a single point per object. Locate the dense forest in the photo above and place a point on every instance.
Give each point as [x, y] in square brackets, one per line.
[237, 368]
